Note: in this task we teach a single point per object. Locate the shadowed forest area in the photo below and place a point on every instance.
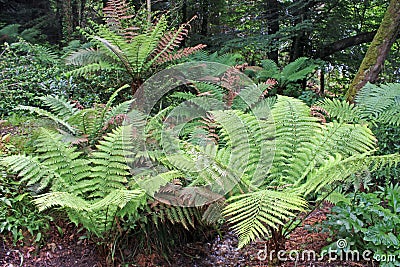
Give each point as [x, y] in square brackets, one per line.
[199, 133]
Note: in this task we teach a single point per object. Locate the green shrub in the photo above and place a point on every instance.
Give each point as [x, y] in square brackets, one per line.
[18, 215]
[25, 69]
[369, 221]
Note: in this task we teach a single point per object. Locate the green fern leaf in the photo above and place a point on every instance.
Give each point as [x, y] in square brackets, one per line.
[251, 214]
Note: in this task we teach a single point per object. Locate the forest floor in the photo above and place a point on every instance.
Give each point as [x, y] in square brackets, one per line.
[72, 249]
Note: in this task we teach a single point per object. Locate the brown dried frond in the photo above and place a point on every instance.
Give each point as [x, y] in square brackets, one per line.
[115, 12]
[172, 40]
[319, 112]
[232, 82]
[269, 84]
[180, 53]
[130, 33]
[77, 104]
[115, 121]
[241, 67]
[211, 127]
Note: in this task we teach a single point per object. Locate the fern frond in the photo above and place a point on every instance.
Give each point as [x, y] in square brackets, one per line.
[346, 139]
[110, 170]
[338, 169]
[341, 110]
[228, 59]
[213, 213]
[60, 106]
[85, 57]
[93, 67]
[298, 69]
[104, 114]
[152, 184]
[391, 115]
[118, 198]
[119, 109]
[31, 170]
[294, 128]
[252, 214]
[62, 199]
[248, 97]
[373, 103]
[187, 217]
[335, 197]
[115, 13]
[270, 68]
[63, 159]
[45, 113]
[118, 52]
[184, 52]
[209, 89]
[169, 42]
[376, 101]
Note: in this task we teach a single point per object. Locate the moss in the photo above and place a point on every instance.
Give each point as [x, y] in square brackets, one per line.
[379, 47]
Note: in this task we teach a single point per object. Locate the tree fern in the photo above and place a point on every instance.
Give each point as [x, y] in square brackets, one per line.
[291, 73]
[127, 47]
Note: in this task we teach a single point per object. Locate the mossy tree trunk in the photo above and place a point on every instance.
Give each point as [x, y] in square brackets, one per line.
[377, 52]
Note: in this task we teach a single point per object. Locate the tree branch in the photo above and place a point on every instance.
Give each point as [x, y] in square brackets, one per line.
[342, 44]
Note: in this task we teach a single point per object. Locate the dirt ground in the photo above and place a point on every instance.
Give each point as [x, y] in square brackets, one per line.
[70, 249]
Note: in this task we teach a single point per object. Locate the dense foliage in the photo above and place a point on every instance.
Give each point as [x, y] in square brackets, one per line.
[27, 71]
[369, 221]
[255, 156]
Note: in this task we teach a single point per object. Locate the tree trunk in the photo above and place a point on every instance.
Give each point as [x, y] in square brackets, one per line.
[148, 4]
[67, 18]
[301, 41]
[204, 15]
[377, 52]
[329, 49]
[272, 8]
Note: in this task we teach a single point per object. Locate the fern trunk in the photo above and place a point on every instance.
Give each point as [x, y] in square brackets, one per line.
[375, 57]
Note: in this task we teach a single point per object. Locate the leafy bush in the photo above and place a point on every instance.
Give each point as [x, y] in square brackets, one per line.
[18, 215]
[25, 68]
[19, 218]
[369, 221]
